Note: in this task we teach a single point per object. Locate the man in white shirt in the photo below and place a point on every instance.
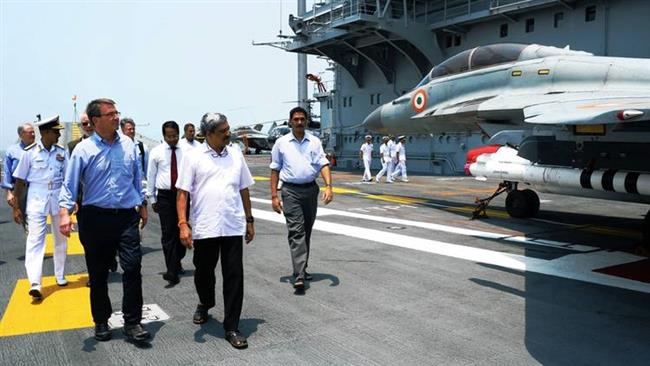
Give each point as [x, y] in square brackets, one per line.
[400, 153]
[392, 150]
[217, 178]
[384, 153]
[188, 141]
[365, 154]
[127, 126]
[164, 161]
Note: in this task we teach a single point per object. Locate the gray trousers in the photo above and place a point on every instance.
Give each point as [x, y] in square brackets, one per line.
[300, 204]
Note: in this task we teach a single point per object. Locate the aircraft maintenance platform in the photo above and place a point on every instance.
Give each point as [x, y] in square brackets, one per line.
[402, 276]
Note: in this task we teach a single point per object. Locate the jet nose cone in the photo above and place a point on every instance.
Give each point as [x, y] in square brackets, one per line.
[373, 121]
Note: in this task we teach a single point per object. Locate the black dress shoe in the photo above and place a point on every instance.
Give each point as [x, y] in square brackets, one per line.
[236, 339]
[136, 332]
[102, 332]
[299, 284]
[200, 315]
[171, 279]
[308, 276]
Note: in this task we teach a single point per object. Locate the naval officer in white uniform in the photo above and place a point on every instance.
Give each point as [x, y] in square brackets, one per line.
[41, 170]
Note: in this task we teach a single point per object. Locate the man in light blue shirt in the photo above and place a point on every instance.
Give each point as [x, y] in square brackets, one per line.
[106, 165]
[296, 160]
[12, 156]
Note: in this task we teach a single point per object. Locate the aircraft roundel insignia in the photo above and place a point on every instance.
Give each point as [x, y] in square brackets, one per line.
[419, 101]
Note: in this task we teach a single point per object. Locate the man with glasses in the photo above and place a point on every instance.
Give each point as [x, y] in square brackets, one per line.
[86, 130]
[296, 160]
[40, 172]
[12, 156]
[217, 178]
[107, 168]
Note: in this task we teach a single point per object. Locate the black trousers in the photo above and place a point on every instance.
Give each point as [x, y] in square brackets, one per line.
[103, 232]
[206, 256]
[300, 203]
[173, 250]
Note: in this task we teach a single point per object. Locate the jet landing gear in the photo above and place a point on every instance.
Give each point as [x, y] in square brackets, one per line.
[519, 203]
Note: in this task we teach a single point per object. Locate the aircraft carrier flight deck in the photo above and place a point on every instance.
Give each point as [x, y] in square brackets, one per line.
[402, 276]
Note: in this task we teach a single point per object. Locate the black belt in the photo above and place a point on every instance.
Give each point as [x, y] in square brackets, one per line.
[167, 191]
[300, 185]
[108, 211]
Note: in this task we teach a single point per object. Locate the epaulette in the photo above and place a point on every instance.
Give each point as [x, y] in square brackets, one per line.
[59, 146]
[29, 147]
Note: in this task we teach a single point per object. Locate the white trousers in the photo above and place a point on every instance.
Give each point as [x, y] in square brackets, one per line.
[400, 169]
[384, 170]
[366, 172]
[35, 245]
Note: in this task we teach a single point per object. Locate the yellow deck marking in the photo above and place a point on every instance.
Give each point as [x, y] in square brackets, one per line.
[73, 218]
[258, 178]
[74, 245]
[395, 199]
[490, 213]
[342, 190]
[61, 308]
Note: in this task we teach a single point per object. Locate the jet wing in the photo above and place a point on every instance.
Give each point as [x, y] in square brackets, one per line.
[606, 110]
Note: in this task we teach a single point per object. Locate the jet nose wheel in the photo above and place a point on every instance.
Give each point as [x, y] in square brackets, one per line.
[522, 204]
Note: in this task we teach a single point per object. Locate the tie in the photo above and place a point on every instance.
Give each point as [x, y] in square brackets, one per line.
[174, 171]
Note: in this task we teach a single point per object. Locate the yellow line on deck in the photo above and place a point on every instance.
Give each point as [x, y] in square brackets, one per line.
[259, 178]
[61, 308]
[395, 199]
[74, 245]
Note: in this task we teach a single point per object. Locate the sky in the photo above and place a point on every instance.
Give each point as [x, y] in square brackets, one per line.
[159, 60]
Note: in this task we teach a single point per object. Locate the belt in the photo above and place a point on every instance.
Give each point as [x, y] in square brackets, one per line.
[49, 186]
[300, 185]
[167, 191]
[108, 211]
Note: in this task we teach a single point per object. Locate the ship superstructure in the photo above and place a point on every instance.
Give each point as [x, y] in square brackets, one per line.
[381, 49]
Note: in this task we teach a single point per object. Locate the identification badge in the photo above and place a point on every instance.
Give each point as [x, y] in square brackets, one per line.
[60, 157]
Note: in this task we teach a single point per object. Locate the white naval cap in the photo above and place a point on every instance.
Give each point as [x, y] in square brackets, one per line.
[385, 138]
[368, 137]
[51, 123]
[401, 137]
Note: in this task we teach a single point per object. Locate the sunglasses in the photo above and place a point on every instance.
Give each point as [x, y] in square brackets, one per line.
[85, 123]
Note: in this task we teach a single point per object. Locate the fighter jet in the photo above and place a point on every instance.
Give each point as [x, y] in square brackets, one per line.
[561, 121]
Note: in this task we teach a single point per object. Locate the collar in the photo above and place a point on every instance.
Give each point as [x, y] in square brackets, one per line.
[96, 138]
[215, 154]
[305, 138]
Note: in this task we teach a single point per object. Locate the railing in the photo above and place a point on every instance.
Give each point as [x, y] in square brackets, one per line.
[445, 10]
[326, 13]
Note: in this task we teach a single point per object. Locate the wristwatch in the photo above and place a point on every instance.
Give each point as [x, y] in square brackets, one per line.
[250, 219]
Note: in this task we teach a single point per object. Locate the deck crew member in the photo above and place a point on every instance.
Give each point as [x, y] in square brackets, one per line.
[384, 153]
[392, 163]
[107, 167]
[296, 160]
[188, 141]
[217, 176]
[40, 170]
[400, 152]
[365, 154]
[164, 161]
[12, 156]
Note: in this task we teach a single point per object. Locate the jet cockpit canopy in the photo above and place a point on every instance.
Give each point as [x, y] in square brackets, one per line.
[490, 55]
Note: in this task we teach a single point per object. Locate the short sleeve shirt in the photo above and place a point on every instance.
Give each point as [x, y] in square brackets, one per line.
[366, 149]
[214, 181]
